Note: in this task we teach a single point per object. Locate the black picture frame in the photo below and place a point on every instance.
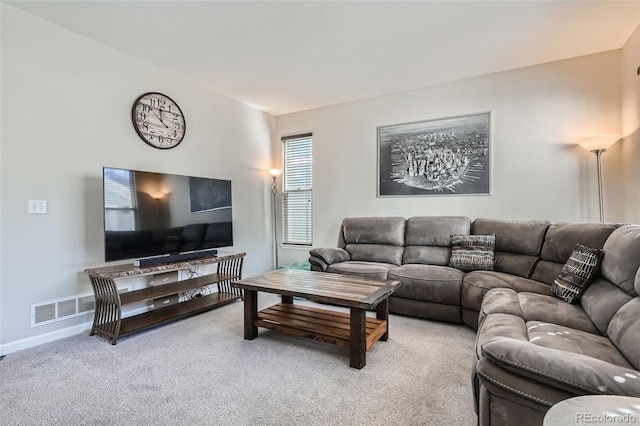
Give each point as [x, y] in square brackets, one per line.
[444, 156]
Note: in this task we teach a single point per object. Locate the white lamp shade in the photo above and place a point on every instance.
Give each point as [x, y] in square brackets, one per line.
[596, 142]
[275, 172]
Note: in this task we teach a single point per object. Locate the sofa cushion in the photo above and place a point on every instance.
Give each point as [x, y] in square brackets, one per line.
[622, 257]
[427, 255]
[548, 335]
[472, 252]
[521, 237]
[374, 230]
[574, 372]
[537, 307]
[422, 309]
[428, 239]
[601, 300]
[559, 242]
[363, 269]
[540, 307]
[568, 339]
[546, 271]
[503, 301]
[429, 283]
[497, 326]
[518, 243]
[624, 331]
[374, 239]
[561, 239]
[435, 230]
[577, 273]
[375, 253]
[476, 284]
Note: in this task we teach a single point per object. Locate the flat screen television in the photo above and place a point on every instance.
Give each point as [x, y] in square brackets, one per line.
[153, 215]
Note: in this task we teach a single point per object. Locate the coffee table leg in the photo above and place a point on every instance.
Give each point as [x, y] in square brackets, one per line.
[250, 314]
[382, 313]
[287, 299]
[357, 339]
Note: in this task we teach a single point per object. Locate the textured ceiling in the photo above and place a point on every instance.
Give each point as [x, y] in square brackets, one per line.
[289, 56]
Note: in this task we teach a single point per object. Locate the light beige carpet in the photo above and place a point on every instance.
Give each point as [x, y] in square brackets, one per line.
[200, 371]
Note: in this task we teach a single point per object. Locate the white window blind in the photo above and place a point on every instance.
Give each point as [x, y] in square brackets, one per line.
[297, 183]
[120, 202]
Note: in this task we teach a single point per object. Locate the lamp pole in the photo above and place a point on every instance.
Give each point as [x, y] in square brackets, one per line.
[274, 190]
[598, 153]
[598, 144]
[274, 213]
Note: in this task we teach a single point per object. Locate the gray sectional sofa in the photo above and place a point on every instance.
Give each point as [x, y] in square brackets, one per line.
[533, 348]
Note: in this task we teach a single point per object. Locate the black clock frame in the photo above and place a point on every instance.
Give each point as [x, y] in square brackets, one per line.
[141, 135]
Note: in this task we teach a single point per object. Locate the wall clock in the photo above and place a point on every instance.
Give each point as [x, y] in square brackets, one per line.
[158, 120]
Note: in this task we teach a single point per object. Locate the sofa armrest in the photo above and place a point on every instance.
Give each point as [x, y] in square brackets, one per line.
[573, 372]
[323, 257]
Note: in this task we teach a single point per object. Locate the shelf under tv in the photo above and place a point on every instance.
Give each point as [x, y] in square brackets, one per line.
[108, 320]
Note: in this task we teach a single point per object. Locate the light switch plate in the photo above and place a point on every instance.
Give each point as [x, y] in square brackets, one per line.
[37, 206]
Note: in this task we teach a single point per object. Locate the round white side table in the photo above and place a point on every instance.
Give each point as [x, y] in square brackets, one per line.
[595, 410]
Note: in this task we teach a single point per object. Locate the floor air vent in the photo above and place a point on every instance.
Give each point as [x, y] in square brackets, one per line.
[43, 313]
[61, 309]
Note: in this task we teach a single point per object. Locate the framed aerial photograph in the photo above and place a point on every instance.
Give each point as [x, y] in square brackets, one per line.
[446, 156]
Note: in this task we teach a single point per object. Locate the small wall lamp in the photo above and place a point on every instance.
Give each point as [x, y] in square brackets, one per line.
[599, 144]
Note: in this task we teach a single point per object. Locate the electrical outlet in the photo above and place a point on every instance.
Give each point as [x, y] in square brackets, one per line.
[37, 206]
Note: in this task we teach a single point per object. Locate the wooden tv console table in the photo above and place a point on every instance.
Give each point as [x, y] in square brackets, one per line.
[108, 320]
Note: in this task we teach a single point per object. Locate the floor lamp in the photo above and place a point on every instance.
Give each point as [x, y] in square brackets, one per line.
[599, 144]
[274, 190]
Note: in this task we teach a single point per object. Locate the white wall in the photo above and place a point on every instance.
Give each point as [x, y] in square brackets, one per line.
[630, 149]
[537, 170]
[66, 105]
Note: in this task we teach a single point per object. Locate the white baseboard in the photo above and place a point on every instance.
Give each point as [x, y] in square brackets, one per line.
[40, 339]
[30, 342]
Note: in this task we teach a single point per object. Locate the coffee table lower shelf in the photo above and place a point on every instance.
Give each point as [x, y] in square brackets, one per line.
[317, 324]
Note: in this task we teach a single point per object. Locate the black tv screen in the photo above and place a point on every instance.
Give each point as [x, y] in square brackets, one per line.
[149, 214]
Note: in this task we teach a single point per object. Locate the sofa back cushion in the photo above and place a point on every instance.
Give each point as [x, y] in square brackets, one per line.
[601, 300]
[607, 302]
[428, 238]
[560, 241]
[622, 257]
[374, 239]
[624, 331]
[518, 243]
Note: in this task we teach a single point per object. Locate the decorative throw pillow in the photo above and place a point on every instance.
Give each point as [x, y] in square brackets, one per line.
[577, 273]
[472, 252]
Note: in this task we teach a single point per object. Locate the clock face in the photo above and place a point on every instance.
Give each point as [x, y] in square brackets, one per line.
[158, 120]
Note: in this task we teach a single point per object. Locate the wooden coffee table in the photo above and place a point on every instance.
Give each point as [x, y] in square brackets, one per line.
[355, 330]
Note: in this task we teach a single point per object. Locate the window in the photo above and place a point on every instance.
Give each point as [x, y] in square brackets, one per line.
[297, 197]
[120, 202]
